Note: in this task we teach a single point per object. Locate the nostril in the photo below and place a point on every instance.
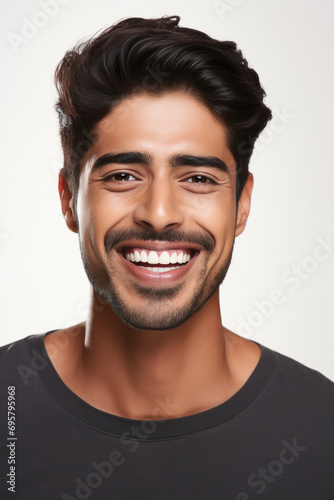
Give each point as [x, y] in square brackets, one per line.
[147, 223]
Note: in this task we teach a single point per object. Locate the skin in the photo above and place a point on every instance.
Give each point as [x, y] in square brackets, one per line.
[123, 360]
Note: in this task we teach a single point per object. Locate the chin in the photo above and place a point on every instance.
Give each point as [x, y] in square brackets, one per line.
[150, 318]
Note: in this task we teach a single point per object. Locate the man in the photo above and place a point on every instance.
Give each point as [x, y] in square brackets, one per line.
[151, 397]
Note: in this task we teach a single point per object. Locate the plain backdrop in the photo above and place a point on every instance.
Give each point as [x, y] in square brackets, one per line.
[279, 289]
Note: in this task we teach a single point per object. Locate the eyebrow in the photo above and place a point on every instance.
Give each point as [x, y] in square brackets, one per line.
[146, 159]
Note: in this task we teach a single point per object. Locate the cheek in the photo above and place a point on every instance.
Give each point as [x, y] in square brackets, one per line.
[98, 213]
[214, 213]
[217, 216]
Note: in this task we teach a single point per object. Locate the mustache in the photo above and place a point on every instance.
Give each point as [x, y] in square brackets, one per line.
[114, 237]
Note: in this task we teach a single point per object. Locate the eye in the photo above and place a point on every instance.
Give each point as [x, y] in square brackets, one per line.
[200, 179]
[120, 177]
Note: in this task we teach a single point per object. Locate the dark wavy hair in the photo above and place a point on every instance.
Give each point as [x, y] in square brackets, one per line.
[156, 56]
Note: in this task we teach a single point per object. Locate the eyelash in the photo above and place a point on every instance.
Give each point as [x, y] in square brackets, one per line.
[208, 180]
[110, 177]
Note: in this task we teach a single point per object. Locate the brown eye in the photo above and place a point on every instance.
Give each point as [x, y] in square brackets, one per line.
[119, 177]
[200, 179]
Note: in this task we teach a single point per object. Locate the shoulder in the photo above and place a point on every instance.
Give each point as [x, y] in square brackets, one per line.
[13, 349]
[300, 389]
[21, 358]
[300, 372]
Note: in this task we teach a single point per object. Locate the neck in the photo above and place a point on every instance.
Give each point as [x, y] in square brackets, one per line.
[156, 374]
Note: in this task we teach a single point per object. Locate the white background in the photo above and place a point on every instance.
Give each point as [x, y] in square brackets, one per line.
[290, 44]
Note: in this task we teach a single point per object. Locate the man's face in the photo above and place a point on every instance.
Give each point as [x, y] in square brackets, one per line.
[157, 209]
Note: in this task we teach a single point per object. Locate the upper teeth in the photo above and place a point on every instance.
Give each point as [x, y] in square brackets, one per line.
[153, 258]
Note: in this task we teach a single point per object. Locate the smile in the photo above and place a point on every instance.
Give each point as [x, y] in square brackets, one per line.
[158, 261]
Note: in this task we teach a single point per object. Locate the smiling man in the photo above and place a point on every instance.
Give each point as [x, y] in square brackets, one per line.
[152, 397]
[168, 245]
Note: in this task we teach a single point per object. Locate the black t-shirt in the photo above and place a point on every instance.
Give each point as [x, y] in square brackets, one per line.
[274, 439]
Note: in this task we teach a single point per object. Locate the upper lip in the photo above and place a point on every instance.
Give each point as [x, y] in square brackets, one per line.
[157, 245]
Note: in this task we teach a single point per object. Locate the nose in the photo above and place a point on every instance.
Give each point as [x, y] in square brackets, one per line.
[159, 207]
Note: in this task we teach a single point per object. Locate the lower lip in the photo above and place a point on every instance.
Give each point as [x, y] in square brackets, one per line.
[151, 277]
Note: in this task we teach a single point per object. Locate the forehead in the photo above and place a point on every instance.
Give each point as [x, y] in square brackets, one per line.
[163, 125]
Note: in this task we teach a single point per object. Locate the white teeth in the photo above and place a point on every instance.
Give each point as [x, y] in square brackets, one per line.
[180, 258]
[164, 258]
[160, 269]
[173, 259]
[143, 256]
[153, 258]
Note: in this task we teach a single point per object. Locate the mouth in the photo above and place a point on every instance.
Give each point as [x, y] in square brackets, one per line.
[158, 261]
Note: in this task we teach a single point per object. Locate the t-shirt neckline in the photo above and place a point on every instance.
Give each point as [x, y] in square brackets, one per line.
[150, 429]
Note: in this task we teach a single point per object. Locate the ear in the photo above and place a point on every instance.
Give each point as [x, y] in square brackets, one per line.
[244, 205]
[66, 199]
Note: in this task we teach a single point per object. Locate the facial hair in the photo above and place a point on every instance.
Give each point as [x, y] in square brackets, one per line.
[159, 311]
